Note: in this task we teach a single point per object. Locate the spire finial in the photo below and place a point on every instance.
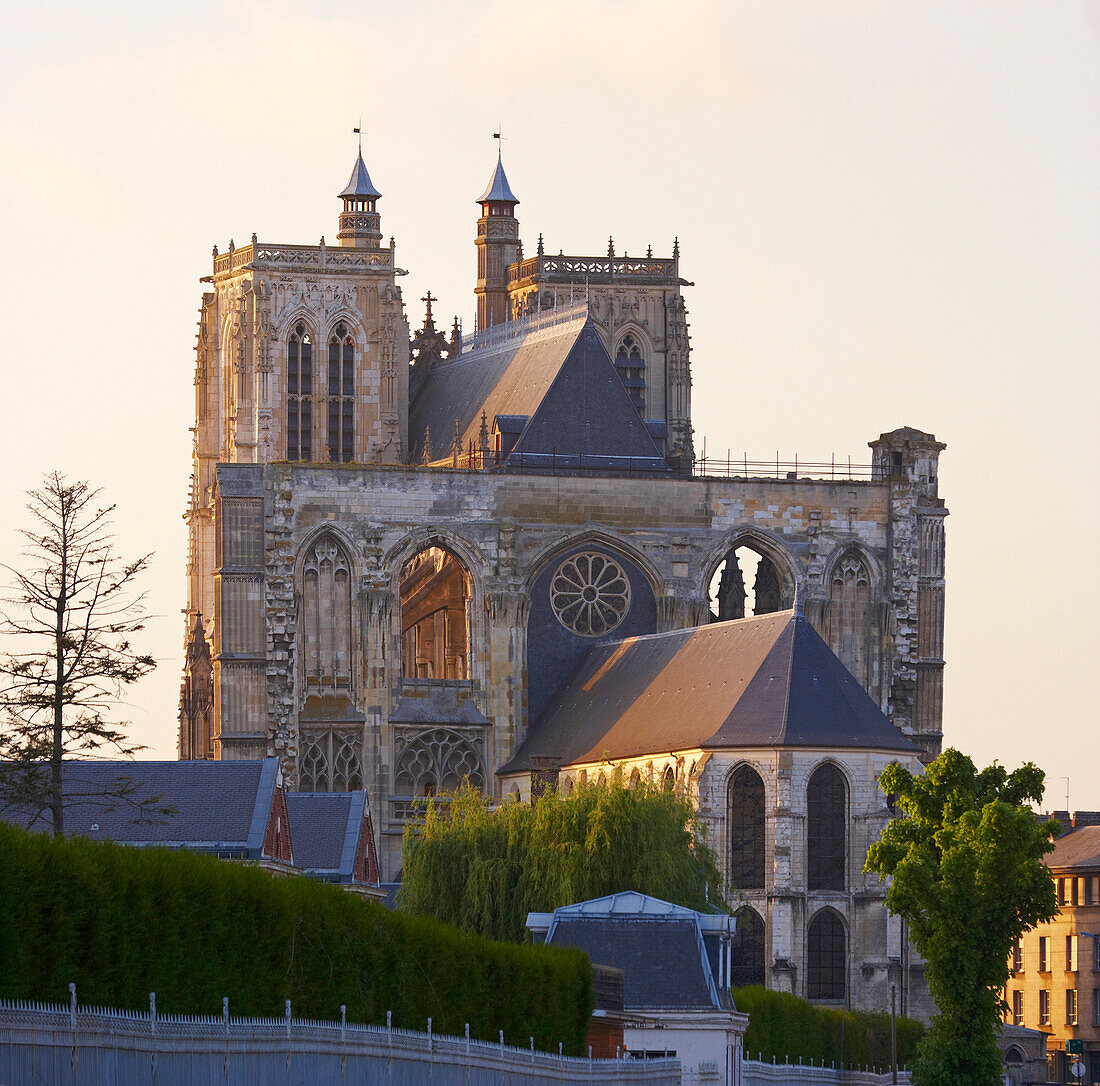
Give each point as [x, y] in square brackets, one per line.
[611, 248]
[358, 130]
[540, 244]
[428, 322]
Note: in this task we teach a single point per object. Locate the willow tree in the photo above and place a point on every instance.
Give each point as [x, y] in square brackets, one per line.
[966, 863]
[70, 611]
[485, 869]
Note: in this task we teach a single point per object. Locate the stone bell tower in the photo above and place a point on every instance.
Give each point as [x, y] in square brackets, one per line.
[498, 245]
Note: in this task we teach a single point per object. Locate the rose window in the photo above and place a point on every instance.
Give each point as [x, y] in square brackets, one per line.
[590, 594]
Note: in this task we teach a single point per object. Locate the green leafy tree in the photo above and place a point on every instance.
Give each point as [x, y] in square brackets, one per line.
[69, 613]
[967, 870]
[486, 869]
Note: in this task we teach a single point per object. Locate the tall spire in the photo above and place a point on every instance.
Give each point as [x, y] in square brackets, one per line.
[498, 247]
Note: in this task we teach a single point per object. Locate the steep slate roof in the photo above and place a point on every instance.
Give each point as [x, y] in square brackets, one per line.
[328, 828]
[360, 184]
[220, 806]
[661, 959]
[1078, 848]
[498, 187]
[560, 382]
[757, 682]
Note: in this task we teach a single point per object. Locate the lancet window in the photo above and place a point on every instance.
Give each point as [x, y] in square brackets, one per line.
[630, 363]
[748, 959]
[435, 620]
[848, 620]
[299, 395]
[730, 596]
[341, 395]
[826, 957]
[436, 761]
[330, 760]
[326, 619]
[745, 827]
[827, 824]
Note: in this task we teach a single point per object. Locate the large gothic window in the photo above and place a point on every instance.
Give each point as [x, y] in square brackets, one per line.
[341, 395]
[435, 761]
[848, 620]
[435, 620]
[748, 951]
[826, 957]
[330, 759]
[299, 395]
[326, 619]
[827, 817]
[730, 594]
[630, 364]
[745, 826]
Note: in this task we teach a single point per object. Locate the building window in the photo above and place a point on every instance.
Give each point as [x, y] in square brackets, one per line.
[436, 761]
[1017, 1008]
[849, 620]
[1017, 957]
[631, 367]
[1044, 1008]
[330, 760]
[826, 800]
[1044, 953]
[341, 395]
[435, 617]
[1096, 1007]
[1071, 953]
[826, 957]
[748, 955]
[1096, 955]
[299, 395]
[746, 830]
[1071, 1006]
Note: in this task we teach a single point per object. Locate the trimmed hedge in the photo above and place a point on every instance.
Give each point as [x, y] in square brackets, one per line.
[786, 1027]
[122, 922]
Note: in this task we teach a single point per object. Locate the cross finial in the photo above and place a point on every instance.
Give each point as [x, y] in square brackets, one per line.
[429, 299]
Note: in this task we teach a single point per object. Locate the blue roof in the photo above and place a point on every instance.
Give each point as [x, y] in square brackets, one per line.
[360, 184]
[498, 189]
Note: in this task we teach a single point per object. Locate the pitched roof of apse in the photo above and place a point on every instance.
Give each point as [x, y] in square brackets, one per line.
[756, 682]
[1078, 848]
[559, 380]
[326, 828]
[218, 806]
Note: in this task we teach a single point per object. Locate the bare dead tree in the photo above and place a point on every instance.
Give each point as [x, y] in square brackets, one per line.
[69, 613]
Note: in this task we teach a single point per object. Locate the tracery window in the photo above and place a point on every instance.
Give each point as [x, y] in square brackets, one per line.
[826, 957]
[745, 827]
[590, 594]
[341, 395]
[436, 761]
[326, 618]
[435, 616]
[730, 596]
[748, 953]
[299, 395]
[848, 620]
[631, 367]
[330, 759]
[827, 811]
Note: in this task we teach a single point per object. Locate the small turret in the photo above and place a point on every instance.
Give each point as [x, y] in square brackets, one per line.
[360, 223]
[498, 246]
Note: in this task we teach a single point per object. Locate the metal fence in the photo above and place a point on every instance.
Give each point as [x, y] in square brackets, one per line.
[741, 467]
[97, 1046]
[759, 1073]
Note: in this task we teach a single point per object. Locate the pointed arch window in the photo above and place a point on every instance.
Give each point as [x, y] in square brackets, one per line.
[299, 394]
[827, 818]
[826, 957]
[748, 954]
[341, 395]
[745, 824]
[848, 625]
[630, 362]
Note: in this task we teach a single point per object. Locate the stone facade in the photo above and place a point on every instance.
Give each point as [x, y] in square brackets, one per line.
[395, 626]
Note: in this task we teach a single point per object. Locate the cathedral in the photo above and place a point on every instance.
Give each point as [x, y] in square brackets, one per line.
[418, 558]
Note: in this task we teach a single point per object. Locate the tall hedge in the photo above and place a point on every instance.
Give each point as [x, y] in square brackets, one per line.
[122, 922]
[485, 869]
[782, 1026]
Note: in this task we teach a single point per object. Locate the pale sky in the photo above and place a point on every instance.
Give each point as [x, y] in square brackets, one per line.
[890, 211]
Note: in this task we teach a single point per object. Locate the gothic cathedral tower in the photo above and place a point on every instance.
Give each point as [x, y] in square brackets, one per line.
[498, 245]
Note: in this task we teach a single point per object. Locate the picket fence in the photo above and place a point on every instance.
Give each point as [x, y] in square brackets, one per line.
[759, 1073]
[99, 1046]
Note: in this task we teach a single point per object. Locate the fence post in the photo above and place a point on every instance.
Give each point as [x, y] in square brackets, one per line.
[153, 1030]
[225, 1023]
[429, 1035]
[502, 1044]
[72, 1026]
[343, 1041]
[532, 1051]
[288, 1042]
